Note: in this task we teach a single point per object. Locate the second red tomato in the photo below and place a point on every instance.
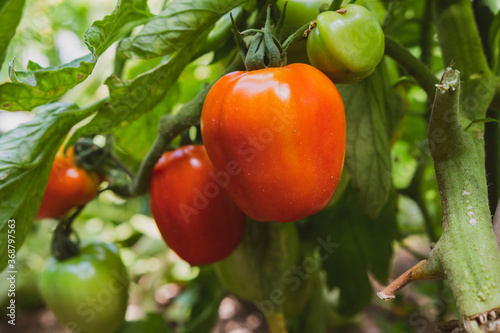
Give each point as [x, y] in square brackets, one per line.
[193, 212]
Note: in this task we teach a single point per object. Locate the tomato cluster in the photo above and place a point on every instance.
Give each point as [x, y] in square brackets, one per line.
[275, 139]
[274, 145]
[68, 186]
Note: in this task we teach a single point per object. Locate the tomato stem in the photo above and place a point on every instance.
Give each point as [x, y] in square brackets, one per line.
[63, 246]
[301, 32]
[335, 5]
[120, 165]
[412, 65]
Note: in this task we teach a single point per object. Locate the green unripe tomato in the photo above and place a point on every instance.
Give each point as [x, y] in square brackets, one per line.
[89, 292]
[346, 44]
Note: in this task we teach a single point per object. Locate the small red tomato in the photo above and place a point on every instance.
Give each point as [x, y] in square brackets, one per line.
[68, 186]
[280, 134]
[192, 210]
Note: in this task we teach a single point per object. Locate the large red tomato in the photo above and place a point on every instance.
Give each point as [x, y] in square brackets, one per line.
[279, 133]
[194, 214]
[68, 186]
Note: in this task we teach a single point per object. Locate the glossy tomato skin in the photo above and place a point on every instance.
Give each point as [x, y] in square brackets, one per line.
[192, 210]
[68, 186]
[280, 134]
[347, 45]
[89, 292]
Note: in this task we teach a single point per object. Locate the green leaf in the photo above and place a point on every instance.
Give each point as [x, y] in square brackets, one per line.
[25, 162]
[38, 86]
[177, 26]
[131, 99]
[363, 245]
[372, 114]
[127, 15]
[11, 12]
[153, 322]
[33, 88]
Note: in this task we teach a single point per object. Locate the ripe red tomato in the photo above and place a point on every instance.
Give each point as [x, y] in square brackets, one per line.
[68, 186]
[280, 135]
[193, 212]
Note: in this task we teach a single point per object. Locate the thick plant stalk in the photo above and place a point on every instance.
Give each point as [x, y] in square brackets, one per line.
[466, 255]
[467, 251]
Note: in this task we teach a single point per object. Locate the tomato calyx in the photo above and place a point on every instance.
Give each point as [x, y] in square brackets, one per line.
[94, 155]
[262, 48]
[89, 155]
